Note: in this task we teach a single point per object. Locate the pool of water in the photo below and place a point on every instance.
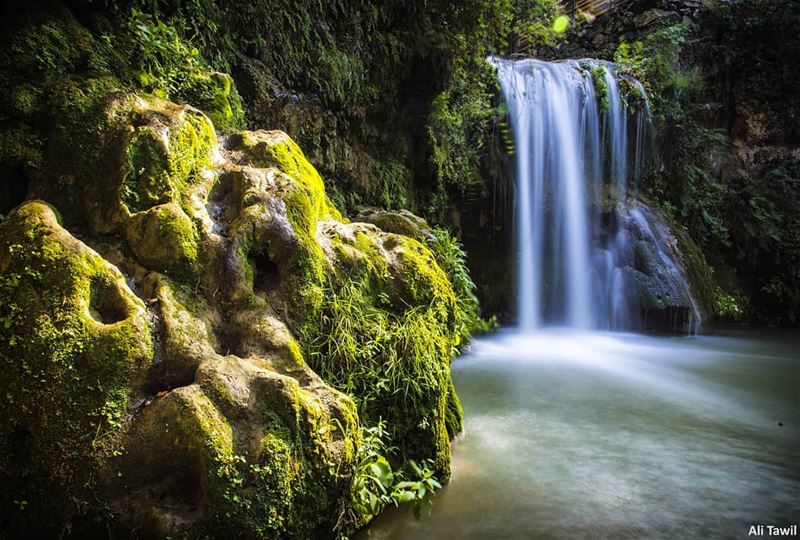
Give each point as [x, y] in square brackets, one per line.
[589, 435]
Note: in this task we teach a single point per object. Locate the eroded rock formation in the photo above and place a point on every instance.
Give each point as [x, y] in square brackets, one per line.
[162, 301]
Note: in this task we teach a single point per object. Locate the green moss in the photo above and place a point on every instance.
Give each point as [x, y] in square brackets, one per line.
[20, 147]
[600, 87]
[387, 341]
[396, 184]
[306, 205]
[80, 163]
[449, 255]
[26, 99]
[376, 314]
[277, 149]
[146, 181]
[166, 156]
[454, 414]
[699, 273]
[75, 342]
[47, 43]
[357, 252]
[423, 281]
[183, 443]
[293, 485]
[286, 475]
[399, 224]
[100, 169]
[191, 141]
[74, 91]
[215, 95]
[164, 238]
[633, 94]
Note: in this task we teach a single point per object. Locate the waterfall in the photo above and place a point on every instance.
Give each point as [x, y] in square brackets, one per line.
[574, 224]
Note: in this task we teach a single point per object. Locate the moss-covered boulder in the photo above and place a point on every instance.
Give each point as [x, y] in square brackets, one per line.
[242, 452]
[165, 334]
[387, 333]
[203, 413]
[395, 221]
[164, 238]
[223, 393]
[114, 154]
[670, 280]
[377, 316]
[74, 348]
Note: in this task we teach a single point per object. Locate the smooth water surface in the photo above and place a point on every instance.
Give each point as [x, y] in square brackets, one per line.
[589, 435]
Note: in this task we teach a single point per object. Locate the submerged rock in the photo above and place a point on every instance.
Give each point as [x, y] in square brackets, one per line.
[218, 386]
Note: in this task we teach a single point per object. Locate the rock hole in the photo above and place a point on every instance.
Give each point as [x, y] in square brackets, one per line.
[106, 303]
[222, 188]
[221, 205]
[265, 272]
[228, 339]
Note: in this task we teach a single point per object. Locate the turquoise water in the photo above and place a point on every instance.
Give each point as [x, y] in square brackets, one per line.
[590, 435]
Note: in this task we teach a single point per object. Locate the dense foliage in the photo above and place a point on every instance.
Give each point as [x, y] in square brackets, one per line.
[418, 66]
[723, 97]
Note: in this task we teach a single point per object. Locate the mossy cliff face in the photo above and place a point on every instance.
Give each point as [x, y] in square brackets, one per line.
[721, 77]
[205, 366]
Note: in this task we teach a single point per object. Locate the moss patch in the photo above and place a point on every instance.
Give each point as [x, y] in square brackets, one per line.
[164, 238]
[215, 95]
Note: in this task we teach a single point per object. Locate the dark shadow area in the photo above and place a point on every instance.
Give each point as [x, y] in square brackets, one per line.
[13, 188]
[673, 321]
[19, 446]
[265, 272]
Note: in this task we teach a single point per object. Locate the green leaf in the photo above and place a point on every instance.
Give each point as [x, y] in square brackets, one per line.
[403, 497]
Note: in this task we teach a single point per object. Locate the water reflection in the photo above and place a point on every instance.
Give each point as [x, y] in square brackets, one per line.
[587, 435]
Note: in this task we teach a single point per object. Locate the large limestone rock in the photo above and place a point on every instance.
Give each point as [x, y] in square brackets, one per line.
[204, 367]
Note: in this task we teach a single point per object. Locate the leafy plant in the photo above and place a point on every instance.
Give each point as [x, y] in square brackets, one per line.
[420, 490]
[727, 305]
[367, 352]
[451, 257]
[165, 60]
[375, 485]
[655, 62]
[373, 477]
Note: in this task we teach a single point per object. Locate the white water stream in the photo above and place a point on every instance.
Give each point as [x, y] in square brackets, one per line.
[573, 158]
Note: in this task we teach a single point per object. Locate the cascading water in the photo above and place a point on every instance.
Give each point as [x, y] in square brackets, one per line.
[574, 220]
